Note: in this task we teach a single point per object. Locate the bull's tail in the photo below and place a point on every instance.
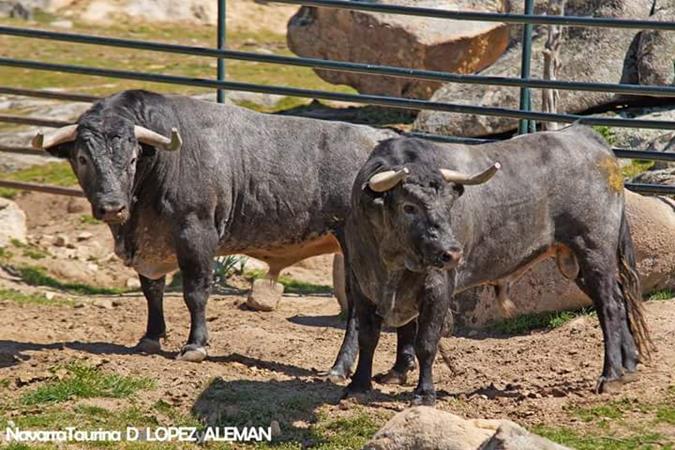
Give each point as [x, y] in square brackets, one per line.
[631, 291]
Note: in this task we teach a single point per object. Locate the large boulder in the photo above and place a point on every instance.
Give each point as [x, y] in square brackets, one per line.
[652, 224]
[396, 40]
[12, 223]
[426, 428]
[587, 54]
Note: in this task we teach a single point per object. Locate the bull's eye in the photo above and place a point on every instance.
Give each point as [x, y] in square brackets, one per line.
[410, 209]
[82, 160]
[133, 161]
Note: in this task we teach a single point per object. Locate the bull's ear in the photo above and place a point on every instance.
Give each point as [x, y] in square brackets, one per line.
[61, 150]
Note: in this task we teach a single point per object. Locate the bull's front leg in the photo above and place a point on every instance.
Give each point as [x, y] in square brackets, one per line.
[438, 288]
[196, 246]
[153, 290]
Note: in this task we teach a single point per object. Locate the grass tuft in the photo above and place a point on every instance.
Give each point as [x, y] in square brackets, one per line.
[57, 173]
[86, 382]
[663, 294]
[592, 441]
[292, 286]
[34, 299]
[37, 276]
[636, 167]
[88, 219]
[529, 322]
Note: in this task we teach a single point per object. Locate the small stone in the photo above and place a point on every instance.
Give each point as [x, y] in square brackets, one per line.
[85, 235]
[117, 303]
[50, 295]
[77, 205]
[62, 24]
[276, 429]
[265, 295]
[78, 305]
[103, 303]
[133, 283]
[60, 240]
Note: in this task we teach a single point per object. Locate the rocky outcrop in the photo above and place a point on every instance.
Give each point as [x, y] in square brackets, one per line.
[426, 428]
[652, 223]
[396, 40]
[12, 223]
[587, 54]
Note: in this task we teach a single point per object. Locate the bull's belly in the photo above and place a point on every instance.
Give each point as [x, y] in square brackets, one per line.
[154, 260]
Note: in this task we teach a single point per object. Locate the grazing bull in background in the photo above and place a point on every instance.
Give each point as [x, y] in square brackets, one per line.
[429, 220]
[180, 181]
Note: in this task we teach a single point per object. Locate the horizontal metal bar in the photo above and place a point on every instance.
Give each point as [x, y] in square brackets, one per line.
[646, 155]
[606, 22]
[49, 94]
[27, 120]
[315, 63]
[392, 102]
[41, 188]
[22, 150]
[659, 189]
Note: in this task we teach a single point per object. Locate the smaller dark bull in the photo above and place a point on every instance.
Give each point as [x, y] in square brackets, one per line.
[429, 220]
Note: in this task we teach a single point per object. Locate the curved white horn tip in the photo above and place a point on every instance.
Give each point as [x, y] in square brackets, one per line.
[176, 140]
[497, 165]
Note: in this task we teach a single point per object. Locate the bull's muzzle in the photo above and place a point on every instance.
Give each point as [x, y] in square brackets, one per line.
[450, 258]
[112, 211]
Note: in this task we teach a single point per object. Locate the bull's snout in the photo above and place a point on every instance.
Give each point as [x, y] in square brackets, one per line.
[450, 258]
[111, 211]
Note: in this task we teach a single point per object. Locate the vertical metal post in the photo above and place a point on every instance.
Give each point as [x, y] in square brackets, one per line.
[221, 45]
[525, 102]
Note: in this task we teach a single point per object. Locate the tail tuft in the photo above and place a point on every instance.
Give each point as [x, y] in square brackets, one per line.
[632, 292]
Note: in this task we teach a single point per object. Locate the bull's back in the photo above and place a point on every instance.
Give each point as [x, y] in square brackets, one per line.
[553, 187]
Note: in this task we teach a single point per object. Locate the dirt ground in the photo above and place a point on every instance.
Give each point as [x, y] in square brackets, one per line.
[541, 379]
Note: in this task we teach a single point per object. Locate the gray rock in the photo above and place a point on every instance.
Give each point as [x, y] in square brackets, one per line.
[587, 54]
[510, 436]
[404, 41]
[652, 223]
[12, 222]
[426, 428]
[265, 295]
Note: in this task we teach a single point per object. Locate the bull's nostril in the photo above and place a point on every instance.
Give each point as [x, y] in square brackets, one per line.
[446, 257]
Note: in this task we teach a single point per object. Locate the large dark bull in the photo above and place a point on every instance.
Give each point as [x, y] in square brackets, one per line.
[180, 180]
[429, 220]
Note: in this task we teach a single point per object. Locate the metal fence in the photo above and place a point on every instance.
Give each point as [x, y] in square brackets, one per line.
[526, 116]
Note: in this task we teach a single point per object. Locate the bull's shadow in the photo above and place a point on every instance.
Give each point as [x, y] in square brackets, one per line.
[292, 403]
[13, 352]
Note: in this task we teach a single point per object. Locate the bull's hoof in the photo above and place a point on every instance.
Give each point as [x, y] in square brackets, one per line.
[354, 390]
[192, 354]
[336, 376]
[148, 346]
[392, 377]
[608, 386]
[423, 398]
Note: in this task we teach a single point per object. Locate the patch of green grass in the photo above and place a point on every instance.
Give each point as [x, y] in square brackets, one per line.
[610, 410]
[5, 383]
[57, 173]
[35, 299]
[666, 413]
[529, 322]
[606, 132]
[129, 59]
[636, 167]
[37, 276]
[347, 432]
[86, 382]
[5, 254]
[88, 219]
[292, 286]
[663, 294]
[594, 441]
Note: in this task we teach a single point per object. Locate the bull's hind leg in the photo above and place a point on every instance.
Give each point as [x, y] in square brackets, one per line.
[598, 271]
[405, 356]
[153, 290]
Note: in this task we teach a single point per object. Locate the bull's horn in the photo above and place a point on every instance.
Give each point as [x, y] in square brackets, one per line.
[452, 176]
[63, 134]
[149, 137]
[384, 181]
